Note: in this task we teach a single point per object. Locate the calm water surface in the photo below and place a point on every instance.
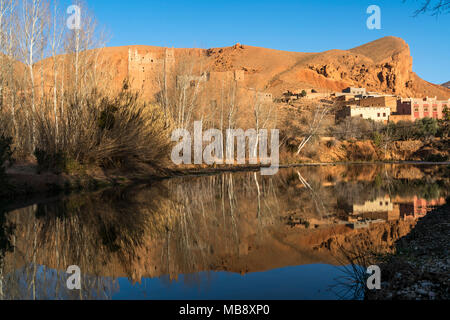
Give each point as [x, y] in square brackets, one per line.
[228, 236]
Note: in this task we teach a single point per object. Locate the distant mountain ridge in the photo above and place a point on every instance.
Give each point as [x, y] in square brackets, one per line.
[447, 84]
[384, 65]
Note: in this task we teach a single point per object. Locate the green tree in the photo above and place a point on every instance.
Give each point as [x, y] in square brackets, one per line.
[444, 123]
[427, 127]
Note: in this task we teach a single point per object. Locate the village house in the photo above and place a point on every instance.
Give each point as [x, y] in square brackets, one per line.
[379, 114]
[380, 101]
[355, 91]
[264, 97]
[415, 207]
[412, 109]
[289, 96]
[380, 204]
[379, 208]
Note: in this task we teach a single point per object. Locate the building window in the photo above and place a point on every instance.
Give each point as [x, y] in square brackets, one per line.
[384, 115]
[378, 115]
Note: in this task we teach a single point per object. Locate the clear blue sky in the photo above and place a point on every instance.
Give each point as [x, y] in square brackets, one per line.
[294, 25]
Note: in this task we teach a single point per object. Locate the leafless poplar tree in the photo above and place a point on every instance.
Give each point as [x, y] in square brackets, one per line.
[31, 28]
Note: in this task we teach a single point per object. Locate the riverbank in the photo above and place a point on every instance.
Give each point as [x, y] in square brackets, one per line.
[420, 268]
[25, 180]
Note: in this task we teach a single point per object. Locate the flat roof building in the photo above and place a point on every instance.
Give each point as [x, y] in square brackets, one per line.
[382, 101]
[355, 91]
[412, 109]
[379, 114]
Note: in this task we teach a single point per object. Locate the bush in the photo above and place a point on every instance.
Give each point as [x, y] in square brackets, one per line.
[354, 128]
[377, 139]
[436, 157]
[5, 155]
[118, 133]
[427, 128]
[312, 154]
[331, 143]
[47, 161]
[404, 130]
[444, 124]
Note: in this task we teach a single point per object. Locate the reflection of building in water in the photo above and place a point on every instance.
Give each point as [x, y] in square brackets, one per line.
[380, 208]
[381, 204]
[398, 208]
[416, 207]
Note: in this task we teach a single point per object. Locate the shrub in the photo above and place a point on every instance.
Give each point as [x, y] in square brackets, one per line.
[377, 139]
[444, 124]
[118, 133]
[5, 155]
[354, 128]
[312, 154]
[56, 161]
[403, 130]
[331, 143]
[106, 119]
[427, 127]
[436, 157]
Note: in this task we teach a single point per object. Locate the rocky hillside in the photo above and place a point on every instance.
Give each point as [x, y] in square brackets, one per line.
[447, 84]
[384, 65]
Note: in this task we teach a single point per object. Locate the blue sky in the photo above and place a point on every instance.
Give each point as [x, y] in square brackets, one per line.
[293, 25]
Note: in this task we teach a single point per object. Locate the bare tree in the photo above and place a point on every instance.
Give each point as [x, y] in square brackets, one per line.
[181, 90]
[315, 125]
[83, 47]
[31, 25]
[6, 7]
[57, 34]
[263, 112]
[434, 7]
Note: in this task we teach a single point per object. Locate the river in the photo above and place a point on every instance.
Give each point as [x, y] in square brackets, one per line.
[225, 236]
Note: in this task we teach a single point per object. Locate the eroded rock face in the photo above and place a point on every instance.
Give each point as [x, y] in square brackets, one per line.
[391, 73]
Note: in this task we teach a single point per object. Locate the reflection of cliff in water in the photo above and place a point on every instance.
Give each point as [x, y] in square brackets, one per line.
[232, 222]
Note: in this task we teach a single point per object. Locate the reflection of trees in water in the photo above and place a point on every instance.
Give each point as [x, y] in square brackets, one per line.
[114, 228]
[217, 211]
[32, 282]
[357, 192]
[177, 226]
[88, 231]
[5, 246]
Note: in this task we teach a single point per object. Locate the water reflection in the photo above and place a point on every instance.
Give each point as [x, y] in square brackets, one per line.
[182, 231]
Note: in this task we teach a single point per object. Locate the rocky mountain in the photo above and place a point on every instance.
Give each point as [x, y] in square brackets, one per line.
[384, 65]
[447, 84]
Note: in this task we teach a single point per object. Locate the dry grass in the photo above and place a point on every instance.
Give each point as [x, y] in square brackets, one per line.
[121, 133]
